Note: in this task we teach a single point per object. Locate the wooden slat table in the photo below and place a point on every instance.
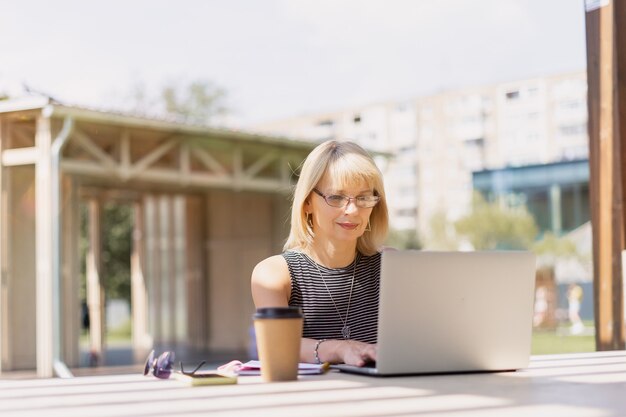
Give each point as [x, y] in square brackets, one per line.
[570, 385]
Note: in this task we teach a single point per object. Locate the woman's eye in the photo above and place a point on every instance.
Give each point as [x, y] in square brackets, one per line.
[336, 198]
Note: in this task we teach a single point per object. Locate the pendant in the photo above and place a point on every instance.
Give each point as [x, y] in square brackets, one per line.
[345, 332]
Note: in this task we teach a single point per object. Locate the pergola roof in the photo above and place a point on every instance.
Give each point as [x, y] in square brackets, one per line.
[127, 150]
[53, 108]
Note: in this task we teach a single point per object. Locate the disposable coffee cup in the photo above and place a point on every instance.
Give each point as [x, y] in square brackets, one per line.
[278, 335]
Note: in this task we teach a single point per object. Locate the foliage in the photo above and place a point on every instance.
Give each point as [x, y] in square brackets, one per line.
[403, 239]
[198, 102]
[491, 226]
[441, 233]
[117, 226]
[553, 245]
[195, 102]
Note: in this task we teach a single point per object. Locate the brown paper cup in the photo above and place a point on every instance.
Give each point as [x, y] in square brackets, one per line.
[278, 336]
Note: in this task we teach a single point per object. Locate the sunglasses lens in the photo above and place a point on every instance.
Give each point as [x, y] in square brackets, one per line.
[148, 365]
[163, 367]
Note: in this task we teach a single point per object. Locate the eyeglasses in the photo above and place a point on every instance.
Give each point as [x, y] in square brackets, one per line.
[161, 367]
[340, 201]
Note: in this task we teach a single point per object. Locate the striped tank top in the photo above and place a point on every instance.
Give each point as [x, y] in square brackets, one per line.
[322, 320]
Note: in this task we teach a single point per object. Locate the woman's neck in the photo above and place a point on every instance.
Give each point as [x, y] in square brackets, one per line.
[333, 256]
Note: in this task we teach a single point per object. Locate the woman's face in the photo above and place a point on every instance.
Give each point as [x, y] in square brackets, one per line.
[338, 224]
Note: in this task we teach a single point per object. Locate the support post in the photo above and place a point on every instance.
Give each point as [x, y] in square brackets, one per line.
[606, 168]
[138, 291]
[95, 292]
[4, 328]
[44, 313]
[69, 256]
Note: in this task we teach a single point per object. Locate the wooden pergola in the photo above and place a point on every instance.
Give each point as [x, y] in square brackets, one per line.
[606, 75]
[208, 204]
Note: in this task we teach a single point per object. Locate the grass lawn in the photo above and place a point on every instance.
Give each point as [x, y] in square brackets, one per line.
[547, 342]
[121, 334]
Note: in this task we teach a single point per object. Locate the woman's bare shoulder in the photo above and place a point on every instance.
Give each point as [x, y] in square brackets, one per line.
[271, 284]
[271, 271]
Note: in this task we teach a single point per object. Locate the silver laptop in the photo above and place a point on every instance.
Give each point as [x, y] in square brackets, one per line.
[453, 312]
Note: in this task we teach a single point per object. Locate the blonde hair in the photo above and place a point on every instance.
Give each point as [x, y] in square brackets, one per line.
[347, 164]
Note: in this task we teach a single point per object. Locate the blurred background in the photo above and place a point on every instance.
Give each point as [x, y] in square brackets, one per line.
[185, 123]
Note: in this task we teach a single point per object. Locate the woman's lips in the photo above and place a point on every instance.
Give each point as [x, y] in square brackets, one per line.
[348, 226]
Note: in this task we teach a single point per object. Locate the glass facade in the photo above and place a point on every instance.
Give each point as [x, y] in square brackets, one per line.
[556, 194]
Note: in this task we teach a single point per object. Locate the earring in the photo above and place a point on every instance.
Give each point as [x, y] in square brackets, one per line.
[368, 228]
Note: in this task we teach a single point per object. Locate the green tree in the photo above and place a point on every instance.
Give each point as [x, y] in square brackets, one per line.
[552, 245]
[196, 102]
[117, 226]
[117, 229]
[442, 233]
[403, 239]
[491, 226]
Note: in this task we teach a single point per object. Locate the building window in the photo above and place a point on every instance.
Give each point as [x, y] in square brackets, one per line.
[533, 91]
[512, 95]
[325, 123]
[572, 130]
[357, 118]
[533, 136]
[408, 212]
[571, 104]
[402, 107]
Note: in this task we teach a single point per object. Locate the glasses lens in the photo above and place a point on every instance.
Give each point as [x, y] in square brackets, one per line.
[367, 202]
[336, 200]
[371, 201]
[163, 367]
[148, 365]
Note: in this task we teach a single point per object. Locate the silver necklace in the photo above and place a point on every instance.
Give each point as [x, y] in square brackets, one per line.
[345, 330]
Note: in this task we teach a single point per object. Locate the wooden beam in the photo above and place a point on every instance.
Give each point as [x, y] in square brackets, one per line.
[125, 155]
[620, 132]
[43, 246]
[260, 163]
[620, 88]
[172, 177]
[95, 287]
[153, 156]
[605, 178]
[184, 162]
[238, 174]
[209, 161]
[88, 145]
[20, 156]
[138, 290]
[4, 248]
[70, 273]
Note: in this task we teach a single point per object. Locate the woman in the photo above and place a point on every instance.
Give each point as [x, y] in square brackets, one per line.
[331, 263]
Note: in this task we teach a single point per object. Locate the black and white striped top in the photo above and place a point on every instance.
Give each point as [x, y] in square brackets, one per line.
[321, 320]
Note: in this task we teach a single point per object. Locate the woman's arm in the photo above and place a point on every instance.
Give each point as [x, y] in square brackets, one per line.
[271, 287]
[351, 352]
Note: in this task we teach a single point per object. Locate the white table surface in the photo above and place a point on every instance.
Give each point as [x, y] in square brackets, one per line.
[585, 384]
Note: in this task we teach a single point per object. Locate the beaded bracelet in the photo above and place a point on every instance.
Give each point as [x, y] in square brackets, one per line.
[316, 350]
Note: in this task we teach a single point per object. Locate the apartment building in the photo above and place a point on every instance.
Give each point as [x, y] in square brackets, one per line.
[438, 141]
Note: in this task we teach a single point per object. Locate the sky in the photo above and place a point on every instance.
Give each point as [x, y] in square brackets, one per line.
[283, 58]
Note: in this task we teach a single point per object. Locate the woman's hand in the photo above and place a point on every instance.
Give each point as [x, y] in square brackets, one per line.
[357, 353]
[351, 352]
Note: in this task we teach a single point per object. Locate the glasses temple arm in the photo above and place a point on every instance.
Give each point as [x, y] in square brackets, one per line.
[182, 370]
[198, 367]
